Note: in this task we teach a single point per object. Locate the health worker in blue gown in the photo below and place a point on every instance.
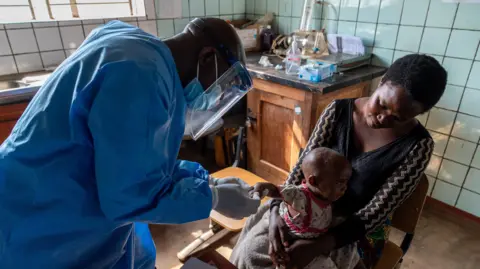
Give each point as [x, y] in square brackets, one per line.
[93, 159]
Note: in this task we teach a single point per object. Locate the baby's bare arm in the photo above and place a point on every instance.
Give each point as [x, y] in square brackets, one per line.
[263, 189]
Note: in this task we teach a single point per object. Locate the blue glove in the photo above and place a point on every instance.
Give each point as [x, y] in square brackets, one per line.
[233, 201]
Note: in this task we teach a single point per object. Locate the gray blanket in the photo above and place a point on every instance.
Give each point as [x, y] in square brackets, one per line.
[251, 251]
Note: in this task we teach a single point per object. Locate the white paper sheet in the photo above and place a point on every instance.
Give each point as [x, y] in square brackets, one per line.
[194, 263]
[169, 9]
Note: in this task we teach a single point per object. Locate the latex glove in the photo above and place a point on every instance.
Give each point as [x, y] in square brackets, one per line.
[231, 180]
[233, 201]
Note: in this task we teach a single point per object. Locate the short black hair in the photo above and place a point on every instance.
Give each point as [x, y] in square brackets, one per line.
[422, 76]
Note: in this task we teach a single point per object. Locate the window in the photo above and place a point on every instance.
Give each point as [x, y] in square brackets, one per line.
[56, 10]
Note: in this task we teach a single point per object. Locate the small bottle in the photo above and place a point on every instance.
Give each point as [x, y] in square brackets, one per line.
[293, 59]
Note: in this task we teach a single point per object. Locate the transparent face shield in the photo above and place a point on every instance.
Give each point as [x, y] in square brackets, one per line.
[205, 110]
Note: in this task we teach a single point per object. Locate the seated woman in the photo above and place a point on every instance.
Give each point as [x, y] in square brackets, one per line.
[388, 150]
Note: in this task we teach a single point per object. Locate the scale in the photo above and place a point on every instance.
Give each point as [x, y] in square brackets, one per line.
[343, 61]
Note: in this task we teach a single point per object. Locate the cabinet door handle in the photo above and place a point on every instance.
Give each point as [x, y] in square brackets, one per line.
[251, 119]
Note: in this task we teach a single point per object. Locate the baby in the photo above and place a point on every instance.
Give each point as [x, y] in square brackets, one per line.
[306, 208]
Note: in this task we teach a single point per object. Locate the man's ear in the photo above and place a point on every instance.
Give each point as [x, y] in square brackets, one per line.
[206, 56]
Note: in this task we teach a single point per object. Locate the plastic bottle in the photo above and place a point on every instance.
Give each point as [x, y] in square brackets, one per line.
[293, 59]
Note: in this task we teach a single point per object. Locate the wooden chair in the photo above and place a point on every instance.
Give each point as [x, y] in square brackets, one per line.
[405, 219]
[223, 230]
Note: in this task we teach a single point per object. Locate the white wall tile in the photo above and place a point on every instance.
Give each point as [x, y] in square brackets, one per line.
[441, 14]
[45, 24]
[476, 158]
[52, 58]
[346, 27]
[368, 11]
[149, 27]
[414, 12]
[7, 65]
[4, 45]
[22, 41]
[18, 25]
[28, 62]
[88, 28]
[72, 36]
[457, 69]
[467, 16]
[445, 192]
[48, 39]
[409, 38]
[474, 78]
[390, 11]
[386, 36]
[431, 183]
[441, 141]
[463, 44]
[473, 181]
[434, 40]
[150, 9]
[469, 202]
[71, 23]
[452, 172]
[467, 127]
[348, 9]
[470, 102]
[69, 52]
[451, 97]
[440, 120]
[460, 150]
[433, 166]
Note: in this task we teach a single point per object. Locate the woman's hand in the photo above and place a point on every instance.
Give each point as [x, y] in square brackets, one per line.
[303, 251]
[278, 236]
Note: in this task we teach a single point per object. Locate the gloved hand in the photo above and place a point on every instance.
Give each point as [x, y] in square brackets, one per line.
[233, 201]
[231, 180]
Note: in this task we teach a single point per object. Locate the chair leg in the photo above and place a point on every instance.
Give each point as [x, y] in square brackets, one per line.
[239, 146]
[212, 239]
[407, 241]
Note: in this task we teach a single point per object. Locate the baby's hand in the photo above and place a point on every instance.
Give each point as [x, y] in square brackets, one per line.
[262, 189]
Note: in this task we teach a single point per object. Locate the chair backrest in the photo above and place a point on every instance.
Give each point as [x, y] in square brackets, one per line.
[406, 217]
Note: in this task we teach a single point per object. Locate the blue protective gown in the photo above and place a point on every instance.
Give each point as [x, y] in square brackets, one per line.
[92, 160]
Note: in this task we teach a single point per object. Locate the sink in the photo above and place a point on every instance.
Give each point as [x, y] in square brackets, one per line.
[7, 85]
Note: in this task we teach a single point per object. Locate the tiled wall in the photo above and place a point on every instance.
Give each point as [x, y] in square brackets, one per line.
[28, 47]
[448, 31]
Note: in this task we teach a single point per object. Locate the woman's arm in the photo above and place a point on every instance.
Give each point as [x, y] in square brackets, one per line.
[396, 189]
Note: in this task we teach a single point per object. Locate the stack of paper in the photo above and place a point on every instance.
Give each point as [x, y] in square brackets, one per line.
[345, 44]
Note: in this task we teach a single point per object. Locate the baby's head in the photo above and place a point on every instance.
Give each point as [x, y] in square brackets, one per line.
[326, 173]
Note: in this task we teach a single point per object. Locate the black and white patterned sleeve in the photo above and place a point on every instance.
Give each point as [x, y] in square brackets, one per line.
[320, 137]
[397, 188]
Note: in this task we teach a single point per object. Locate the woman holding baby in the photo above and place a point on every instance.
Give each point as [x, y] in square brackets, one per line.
[386, 150]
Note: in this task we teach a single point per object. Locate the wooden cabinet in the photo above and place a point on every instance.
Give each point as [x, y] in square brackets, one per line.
[9, 115]
[281, 121]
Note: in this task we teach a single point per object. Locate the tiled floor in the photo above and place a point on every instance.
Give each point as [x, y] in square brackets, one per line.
[441, 242]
